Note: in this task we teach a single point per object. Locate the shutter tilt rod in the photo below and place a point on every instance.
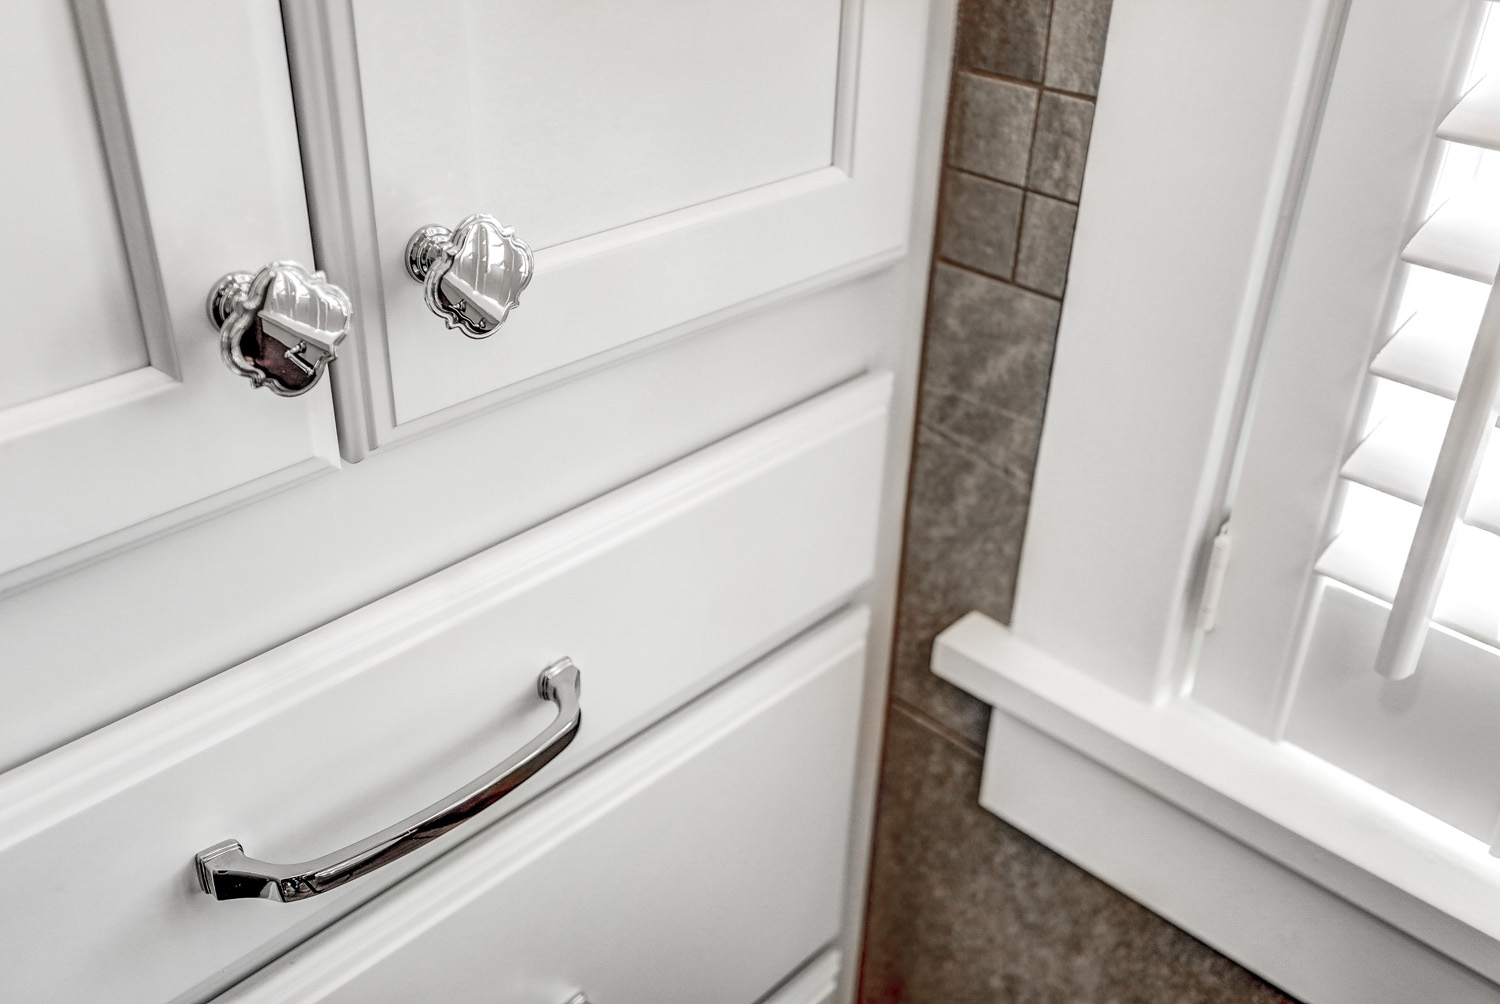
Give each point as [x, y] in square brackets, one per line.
[1447, 499]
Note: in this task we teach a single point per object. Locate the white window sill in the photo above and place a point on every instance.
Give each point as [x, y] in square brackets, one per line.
[1414, 872]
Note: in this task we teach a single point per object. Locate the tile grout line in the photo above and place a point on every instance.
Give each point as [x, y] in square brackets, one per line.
[943, 732]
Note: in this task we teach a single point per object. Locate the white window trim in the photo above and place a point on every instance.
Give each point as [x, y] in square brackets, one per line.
[1174, 264]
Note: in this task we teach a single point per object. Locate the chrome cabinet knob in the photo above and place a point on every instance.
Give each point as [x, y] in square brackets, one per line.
[471, 276]
[279, 327]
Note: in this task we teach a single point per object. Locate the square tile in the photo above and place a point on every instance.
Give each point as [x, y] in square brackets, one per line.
[1046, 244]
[963, 536]
[1061, 145]
[980, 219]
[1075, 49]
[989, 132]
[1008, 37]
[985, 366]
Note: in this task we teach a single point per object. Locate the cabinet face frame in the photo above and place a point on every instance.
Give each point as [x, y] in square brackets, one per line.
[766, 244]
[194, 115]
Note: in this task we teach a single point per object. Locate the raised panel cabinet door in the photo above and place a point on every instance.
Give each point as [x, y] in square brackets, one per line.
[150, 149]
[666, 163]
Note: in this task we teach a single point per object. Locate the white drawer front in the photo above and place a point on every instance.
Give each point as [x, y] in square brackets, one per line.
[700, 865]
[657, 591]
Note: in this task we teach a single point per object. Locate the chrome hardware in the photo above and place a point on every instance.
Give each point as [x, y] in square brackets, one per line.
[279, 327]
[225, 872]
[471, 277]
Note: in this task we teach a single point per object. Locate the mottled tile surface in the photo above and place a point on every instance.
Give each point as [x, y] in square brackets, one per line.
[989, 132]
[1076, 49]
[1061, 144]
[980, 220]
[1008, 37]
[964, 908]
[1046, 244]
[964, 526]
[985, 366]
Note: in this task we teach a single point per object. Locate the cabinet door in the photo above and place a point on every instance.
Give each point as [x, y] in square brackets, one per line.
[670, 162]
[150, 148]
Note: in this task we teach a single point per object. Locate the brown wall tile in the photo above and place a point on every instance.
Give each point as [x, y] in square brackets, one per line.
[1046, 244]
[962, 546]
[1008, 37]
[990, 132]
[1075, 51]
[980, 219]
[1060, 146]
[984, 371]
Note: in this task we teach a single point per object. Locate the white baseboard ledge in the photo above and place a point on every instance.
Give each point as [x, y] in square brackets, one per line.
[1323, 884]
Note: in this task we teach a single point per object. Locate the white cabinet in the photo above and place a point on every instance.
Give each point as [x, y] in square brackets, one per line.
[140, 165]
[667, 161]
[667, 464]
[701, 865]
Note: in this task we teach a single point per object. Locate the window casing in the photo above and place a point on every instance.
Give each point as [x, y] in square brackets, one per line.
[1236, 271]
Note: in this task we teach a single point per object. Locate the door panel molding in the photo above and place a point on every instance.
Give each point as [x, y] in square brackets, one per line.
[613, 293]
[205, 179]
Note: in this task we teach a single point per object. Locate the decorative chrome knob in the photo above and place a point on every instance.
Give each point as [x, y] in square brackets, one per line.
[472, 276]
[279, 327]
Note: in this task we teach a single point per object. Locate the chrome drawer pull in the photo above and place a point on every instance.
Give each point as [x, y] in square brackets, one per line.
[472, 276]
[279, 327]
[226, 873]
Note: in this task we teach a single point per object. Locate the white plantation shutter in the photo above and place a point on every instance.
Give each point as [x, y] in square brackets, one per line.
[1421, 514]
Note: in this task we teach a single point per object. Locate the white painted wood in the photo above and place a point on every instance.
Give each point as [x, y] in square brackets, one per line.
[625, 273]
[1428, 354]
[1475, 120]
[1309, 942]
[1445, 502]
[1461, 238]
[60, 218]
[164, 617]
[900, 352]
[580, 117]
[656, 591]
[1400, 453]
[1165, 295]
[700, 864]
[816, 983]
[113, 461]
[1415, 872]
[1399, 67]
[1430, 743]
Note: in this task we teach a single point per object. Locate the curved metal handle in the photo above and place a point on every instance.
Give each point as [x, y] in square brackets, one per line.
[471, 276]
[226, 873]
[279, 327]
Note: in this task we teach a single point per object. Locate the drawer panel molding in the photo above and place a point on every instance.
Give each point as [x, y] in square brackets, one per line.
[658, 591]
[700, 865]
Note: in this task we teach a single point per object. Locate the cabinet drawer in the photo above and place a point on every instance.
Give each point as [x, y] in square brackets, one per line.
[700, 865]
[656, 591]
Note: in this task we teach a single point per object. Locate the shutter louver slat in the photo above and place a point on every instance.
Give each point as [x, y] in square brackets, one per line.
[1398, 457]
[1369, 554]
[1475, 120]
[1462, 238]
[1419, 523]
[1428, 353]
[1453, 481]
